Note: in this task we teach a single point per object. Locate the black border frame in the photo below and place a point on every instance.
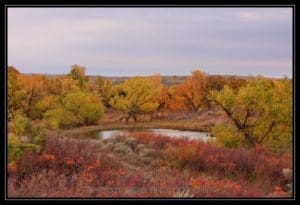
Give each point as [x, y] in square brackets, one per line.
[5, 6]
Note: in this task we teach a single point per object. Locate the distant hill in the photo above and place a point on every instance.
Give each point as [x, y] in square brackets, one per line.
[167, 80]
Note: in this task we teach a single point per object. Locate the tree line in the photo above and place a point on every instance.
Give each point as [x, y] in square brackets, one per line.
[259, 110]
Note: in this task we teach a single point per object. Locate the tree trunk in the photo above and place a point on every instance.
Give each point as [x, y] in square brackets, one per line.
[134, 117]
[127, 119]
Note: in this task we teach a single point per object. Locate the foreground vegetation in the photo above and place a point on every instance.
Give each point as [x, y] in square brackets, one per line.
[51, 155]
[145, 165]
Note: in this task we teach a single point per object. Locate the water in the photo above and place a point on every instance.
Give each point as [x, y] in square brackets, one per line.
[191, 135]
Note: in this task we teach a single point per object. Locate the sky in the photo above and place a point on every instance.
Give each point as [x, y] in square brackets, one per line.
[145, 41]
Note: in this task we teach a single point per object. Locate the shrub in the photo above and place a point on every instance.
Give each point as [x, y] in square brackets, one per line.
[146, 160]
[90, 113]
[122, 148]
[258, 162]
[228, 135]
[79, 168]
[60, 118]
[140, 147]
[148, 152]
[86, 108]
[109, 146]
[16, 148]
[132, 142]
[205, 187]
[21, 125]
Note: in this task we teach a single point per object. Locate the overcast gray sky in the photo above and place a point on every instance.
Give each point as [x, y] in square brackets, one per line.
[142, 41]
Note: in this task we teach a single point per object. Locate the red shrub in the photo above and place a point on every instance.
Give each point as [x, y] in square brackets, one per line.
[258, 162]
[208, 187]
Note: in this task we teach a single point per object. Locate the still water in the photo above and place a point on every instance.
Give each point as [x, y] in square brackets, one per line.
[203, 136]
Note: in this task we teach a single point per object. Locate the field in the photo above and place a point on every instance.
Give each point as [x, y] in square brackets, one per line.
[52, 151]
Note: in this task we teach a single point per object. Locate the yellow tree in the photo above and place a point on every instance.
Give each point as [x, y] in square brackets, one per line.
[61, 86]
[104, 90]
[261, 112]
[137, 95]
[17, 96]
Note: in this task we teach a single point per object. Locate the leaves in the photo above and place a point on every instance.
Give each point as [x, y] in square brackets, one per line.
[194, 91]
[254, 111]
[137, 95]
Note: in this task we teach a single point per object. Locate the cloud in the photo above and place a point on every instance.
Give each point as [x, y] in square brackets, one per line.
[144, 40]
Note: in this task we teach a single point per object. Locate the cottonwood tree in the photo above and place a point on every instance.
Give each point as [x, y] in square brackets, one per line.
[104, 90]
[260, 111]
[175, 101]
[16, 93]
[136, 96]
[194, 91]
[78, 73]
[34, 86]
[61, 86]
[217, 82]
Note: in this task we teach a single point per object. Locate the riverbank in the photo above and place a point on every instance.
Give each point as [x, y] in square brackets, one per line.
[201, 122]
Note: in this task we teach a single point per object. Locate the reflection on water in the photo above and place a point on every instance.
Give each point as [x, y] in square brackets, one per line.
[203, 136]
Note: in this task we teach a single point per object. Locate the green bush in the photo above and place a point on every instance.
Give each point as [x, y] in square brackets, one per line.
[228, 136]
[90, 113]
[87, 108]
[16, 148]
[60, 118]
[21, 124]
[40, 107]
[36, 135]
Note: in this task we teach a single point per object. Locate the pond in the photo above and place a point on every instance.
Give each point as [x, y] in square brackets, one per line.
[203, 136]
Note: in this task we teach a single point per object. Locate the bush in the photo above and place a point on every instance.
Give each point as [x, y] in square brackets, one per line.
[146, 160]
[132, 142]
[109, 146]
[60, 118]
[123, 149]
[140, 147]
[16, 148]
[148, 152]
[256, 163]
[86, 108]
[91, 113]
[228, 136]
[21, 125]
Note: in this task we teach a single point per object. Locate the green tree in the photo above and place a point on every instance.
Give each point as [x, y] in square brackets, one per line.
[261, 111]
[137, 95]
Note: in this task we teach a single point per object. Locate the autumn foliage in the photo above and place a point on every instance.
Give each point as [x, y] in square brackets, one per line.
[250, 154]
[87, 170]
